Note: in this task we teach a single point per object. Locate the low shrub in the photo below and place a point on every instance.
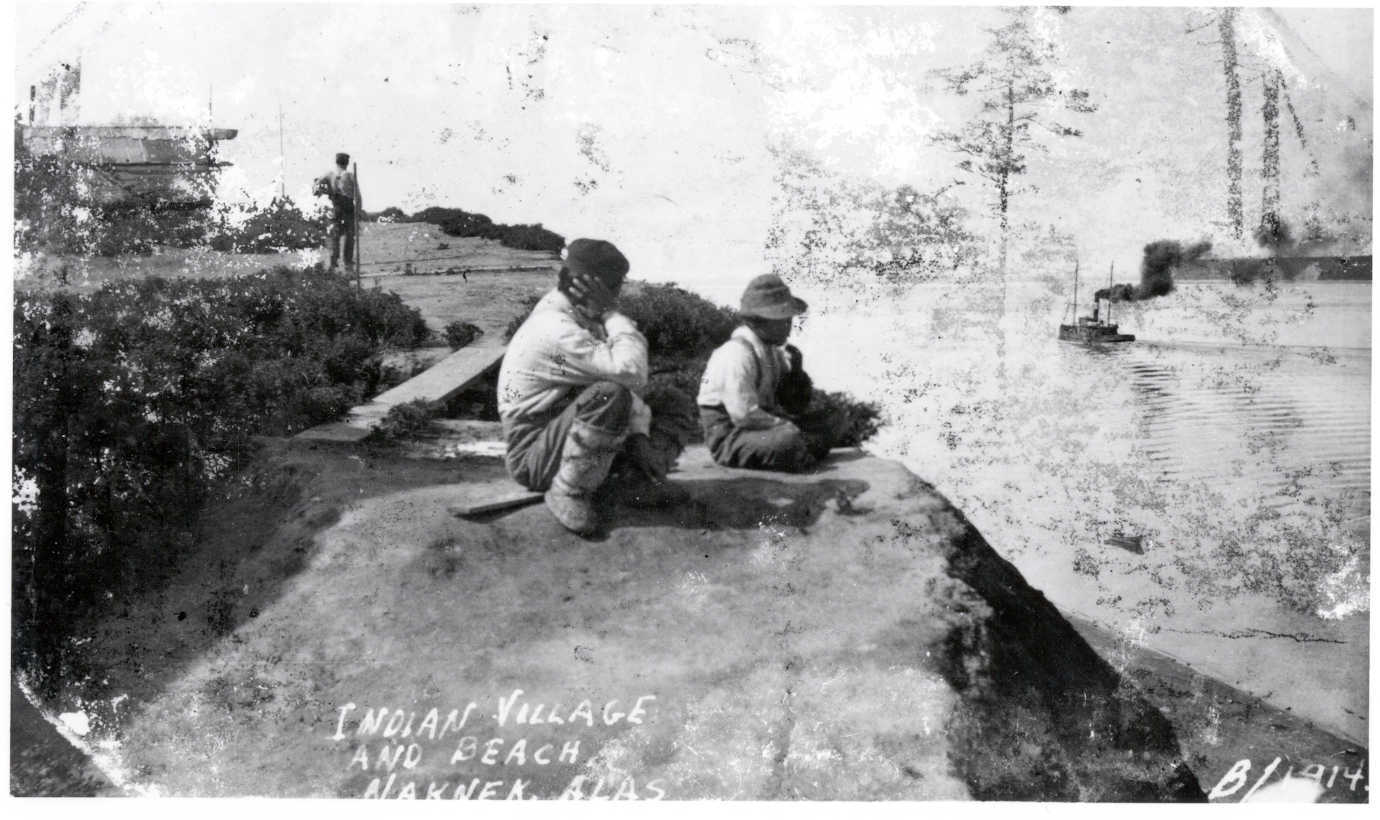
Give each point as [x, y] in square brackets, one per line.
[678, 324]
[458, 222]
[132, 401]
[459, 334]
[407, 420]
[528, 238]
[864, 417]
[524, 310]
[279, 226]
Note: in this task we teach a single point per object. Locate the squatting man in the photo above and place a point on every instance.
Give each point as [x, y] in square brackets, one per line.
[582, 423]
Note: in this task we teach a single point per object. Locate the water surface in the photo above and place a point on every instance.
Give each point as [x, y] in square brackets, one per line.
[1204, 490]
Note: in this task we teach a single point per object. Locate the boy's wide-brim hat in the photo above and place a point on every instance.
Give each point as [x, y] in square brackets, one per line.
[768, 297]
[597, 257]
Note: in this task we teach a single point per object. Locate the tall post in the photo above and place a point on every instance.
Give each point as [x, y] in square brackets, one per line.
[282, 157]
[1111, 274]
[1075, 290]
[359, 245]
[33, 94]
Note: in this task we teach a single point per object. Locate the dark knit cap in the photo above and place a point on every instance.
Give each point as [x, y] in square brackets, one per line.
[769, 298]
[342, 159]
[597, 257]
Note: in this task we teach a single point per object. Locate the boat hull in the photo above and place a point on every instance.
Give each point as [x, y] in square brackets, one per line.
[1093, 334]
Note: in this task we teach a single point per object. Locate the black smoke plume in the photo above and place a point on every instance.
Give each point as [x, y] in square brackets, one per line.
[1156, 271]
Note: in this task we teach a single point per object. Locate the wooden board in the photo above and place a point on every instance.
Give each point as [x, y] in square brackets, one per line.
[445, 378]
[439, 382]
[338, 432]
[481, 499]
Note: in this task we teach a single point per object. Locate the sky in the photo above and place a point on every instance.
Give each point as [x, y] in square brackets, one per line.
[662, 127]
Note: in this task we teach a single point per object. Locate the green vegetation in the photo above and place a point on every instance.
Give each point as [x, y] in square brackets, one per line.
[57, 212]
[52, 214]
[133, 401]
[407, 420]
[458, 334]
[280, 226]
[457, 222]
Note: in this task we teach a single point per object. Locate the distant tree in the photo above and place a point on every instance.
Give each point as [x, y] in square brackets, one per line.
[833, 229]
[1016, 87]
[1226, 22]
[915, 237]
[1273, 232]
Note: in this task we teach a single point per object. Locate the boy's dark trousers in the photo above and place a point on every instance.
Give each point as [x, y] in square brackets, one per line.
[792, 447]
[342, 223]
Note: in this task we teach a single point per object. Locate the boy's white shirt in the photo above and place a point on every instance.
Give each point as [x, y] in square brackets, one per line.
[732, 379]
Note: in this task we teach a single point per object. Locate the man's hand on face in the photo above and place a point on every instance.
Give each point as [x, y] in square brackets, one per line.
[592, 296]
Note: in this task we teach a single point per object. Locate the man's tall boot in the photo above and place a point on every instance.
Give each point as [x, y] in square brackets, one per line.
[585, 460]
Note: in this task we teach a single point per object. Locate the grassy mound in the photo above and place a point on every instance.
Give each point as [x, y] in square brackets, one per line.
[458, 222]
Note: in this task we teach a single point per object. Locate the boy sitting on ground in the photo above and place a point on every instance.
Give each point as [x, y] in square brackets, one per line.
[754, 397]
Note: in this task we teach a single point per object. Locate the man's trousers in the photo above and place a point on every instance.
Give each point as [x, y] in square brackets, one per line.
[535, 444]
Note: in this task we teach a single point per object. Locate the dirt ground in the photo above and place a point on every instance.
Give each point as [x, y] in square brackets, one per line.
[332, 575]
[487, 298]
[785, 639]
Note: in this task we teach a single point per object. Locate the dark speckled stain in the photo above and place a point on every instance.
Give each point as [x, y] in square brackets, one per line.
[1043, 715]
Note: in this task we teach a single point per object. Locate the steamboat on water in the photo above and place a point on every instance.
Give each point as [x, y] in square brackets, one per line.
[1091, 329]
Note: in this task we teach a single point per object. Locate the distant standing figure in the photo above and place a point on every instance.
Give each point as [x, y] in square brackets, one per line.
[754, 398]
[340, 185]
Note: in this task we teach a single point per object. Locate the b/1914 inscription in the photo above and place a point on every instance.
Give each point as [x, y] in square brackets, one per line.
[1324, 778]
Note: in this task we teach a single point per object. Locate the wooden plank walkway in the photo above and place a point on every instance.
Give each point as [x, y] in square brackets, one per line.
[451, 271]
[439, 382]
